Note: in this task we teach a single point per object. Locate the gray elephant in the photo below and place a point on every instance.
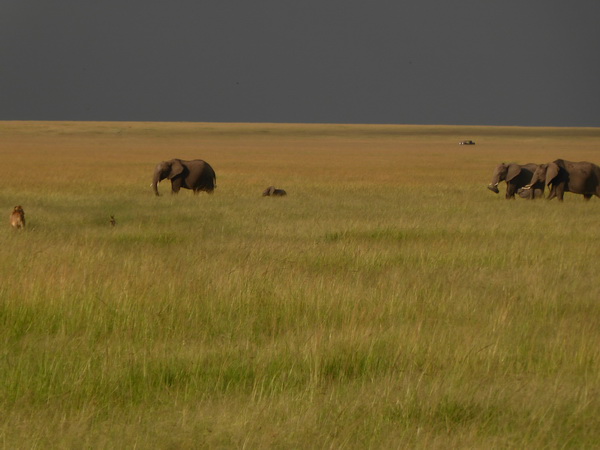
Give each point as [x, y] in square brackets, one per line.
[566, 176]
[516, 176]
[272, 191]
[525, 193]
[196, 175]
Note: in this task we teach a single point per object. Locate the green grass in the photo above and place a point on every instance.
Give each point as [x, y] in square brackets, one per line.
[389, 300]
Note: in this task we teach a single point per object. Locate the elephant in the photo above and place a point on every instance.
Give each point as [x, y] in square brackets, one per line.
[566, 176]
[525, 193]
[516, 176]
[272, 191]
[469, 142]
[196, 175]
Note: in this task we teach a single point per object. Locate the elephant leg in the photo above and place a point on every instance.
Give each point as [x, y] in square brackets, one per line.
[175, 186]
[510, 191]
[560, 193]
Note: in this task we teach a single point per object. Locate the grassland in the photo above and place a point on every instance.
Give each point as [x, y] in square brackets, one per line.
[390, 300]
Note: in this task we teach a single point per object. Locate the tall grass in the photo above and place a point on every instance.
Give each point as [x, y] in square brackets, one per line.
[388, 300]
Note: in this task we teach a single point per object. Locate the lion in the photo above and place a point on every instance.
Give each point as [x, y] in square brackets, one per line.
[17, 217]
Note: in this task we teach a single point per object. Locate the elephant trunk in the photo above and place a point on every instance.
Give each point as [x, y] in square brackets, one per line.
[493, 186]
[536, 178]
[531, 183]
[155, 182]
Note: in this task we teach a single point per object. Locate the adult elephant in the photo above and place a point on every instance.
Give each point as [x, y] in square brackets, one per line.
[566, 176]
[516, 176]
[196, 175]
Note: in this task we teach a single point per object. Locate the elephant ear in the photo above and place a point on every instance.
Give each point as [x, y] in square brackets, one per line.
[176, 169]
[513, 171]
[551, 172]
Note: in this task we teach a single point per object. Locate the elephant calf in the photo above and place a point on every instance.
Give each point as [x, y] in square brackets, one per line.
[527, 193]
[272, 191]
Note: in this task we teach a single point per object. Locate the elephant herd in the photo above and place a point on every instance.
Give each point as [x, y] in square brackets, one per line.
[527, 180]
[530, 180]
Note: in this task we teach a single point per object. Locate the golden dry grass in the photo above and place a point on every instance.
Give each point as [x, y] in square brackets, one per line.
[389, 300]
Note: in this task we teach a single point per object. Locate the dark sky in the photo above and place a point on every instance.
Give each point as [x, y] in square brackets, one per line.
[472, 62]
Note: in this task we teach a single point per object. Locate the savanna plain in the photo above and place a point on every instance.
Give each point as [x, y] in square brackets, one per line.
[389, 301]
